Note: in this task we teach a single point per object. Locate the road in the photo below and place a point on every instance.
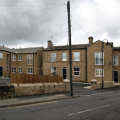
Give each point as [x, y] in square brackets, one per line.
[98, 106]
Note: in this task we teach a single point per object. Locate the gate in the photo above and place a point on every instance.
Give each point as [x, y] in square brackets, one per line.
[80, 88]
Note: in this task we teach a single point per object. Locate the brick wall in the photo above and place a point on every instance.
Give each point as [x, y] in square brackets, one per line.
[41, 89]
[96, 47]
[59, 64]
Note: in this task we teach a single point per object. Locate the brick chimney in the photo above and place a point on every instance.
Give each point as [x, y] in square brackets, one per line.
[50, 44]
[90, 40]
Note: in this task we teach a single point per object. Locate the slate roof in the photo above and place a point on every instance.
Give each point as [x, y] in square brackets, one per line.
[65, 47]
[2, 48]
[26, 50]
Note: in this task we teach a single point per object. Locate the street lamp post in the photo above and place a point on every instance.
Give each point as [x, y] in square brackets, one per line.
[102, 86]
[70, 48]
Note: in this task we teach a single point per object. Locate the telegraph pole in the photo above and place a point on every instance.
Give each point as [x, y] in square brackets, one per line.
[70, 48]
[102, 65]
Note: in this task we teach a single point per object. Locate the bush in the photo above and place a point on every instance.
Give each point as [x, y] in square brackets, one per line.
[27, 78]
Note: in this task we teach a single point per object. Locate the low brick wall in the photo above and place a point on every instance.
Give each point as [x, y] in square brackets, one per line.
[107, 84]
[41, 89]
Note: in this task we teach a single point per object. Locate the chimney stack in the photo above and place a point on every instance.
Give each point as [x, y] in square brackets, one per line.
[90, 40]
[50, 44]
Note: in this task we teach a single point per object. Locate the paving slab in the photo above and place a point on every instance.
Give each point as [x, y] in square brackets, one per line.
[30, 100]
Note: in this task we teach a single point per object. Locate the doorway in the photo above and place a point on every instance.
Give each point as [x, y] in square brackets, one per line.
[64, 73]
[115, 75]
[1, 71]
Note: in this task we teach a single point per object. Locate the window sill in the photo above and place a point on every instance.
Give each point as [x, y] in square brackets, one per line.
[53, 61]
[98, 64]
[20, 60]
[77, 75]
[76, 61]
[64, 60]
[116, 65]
[13, 60]
[99, 76]
[30, 73]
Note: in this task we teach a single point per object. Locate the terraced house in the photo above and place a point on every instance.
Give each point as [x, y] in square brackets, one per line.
[19, 61]
[95, 61]
[26, 60]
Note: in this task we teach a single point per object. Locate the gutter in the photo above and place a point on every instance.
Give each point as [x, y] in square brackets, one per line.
[86, 65]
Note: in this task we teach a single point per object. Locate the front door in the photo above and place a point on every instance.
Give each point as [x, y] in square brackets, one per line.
[115, 74]
[64, 73]
[1, 71]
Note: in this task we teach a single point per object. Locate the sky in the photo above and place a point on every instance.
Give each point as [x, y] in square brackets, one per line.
[31, 23]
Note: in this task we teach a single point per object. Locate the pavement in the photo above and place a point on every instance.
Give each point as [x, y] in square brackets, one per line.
[20, 101]
[27, 100]
[102, 105]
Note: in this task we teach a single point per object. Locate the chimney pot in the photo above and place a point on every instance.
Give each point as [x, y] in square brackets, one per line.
[90, 40]
[50, 44]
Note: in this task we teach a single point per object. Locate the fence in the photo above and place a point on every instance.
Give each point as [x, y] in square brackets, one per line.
[4, 81]
[38, 85]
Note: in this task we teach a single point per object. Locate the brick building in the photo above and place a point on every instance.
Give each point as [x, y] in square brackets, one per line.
[93, 61]
[5, 62]
[18, 61]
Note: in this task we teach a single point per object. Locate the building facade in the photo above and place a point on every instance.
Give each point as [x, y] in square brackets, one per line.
[96, 61]
[20, 61]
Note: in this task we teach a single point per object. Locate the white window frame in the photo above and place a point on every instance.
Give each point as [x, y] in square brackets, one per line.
[99, 54]
[64, 56]
[1, 55]
[14, 70]
[53, 57]
[76, 58]
[75, 71]
[30, 70]
[19, 57]
[30, 59]
[99, 72]
[115, 60]
[53, 70]
[20, 70]
[13, 57]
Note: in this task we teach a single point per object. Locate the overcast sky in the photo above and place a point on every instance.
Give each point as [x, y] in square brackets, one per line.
[27, 23]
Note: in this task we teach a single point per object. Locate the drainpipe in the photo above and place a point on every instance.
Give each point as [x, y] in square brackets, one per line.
[33, 64]
[102, 65]
[86, 66]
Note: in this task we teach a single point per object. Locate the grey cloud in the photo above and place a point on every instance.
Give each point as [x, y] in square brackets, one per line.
[27, 21]
[30, 20]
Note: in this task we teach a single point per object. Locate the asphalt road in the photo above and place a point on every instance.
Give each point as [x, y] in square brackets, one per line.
[97, 106]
